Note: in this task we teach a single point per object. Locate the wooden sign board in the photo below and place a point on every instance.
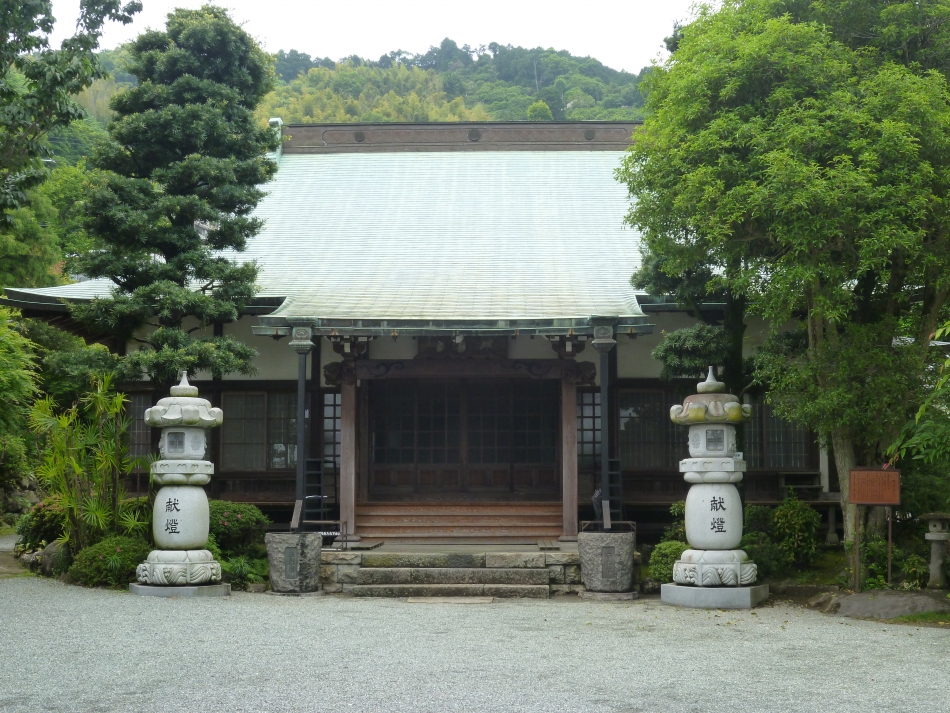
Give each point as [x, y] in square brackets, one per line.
[875, 487]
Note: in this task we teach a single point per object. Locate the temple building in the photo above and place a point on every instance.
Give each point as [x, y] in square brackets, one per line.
[441, 285]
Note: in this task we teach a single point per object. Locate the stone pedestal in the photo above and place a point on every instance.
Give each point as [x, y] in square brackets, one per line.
[714, 597]
[607, 560]
[180, 514]
[294, 559]
[713, 574]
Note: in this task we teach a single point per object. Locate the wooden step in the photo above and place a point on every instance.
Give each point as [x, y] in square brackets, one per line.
[452, 575]
[492, 520]
[459, 521]
[454, 509]
[510, 591]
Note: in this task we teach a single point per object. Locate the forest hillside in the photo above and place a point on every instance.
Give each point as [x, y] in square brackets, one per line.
[447, 83]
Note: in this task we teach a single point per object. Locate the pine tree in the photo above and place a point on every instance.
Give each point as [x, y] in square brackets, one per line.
[181, 175]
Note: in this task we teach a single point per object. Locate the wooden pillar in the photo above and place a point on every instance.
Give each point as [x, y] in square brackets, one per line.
[348, 458]
[569, 459]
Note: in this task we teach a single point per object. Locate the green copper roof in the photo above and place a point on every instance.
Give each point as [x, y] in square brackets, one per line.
[453, 236]
[493, 238]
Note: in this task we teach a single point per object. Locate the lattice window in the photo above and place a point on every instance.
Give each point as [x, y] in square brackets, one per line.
[281, 431]
[648, 438]
[394, 423]
[588, 430]
[488, 413]
[772, 443]
[244, 432]
[140, 433]
[439, 407]
[332, 429]
[534, 422]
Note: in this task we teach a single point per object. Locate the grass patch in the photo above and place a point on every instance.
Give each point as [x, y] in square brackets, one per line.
[933, 618]
[826, 567]
[7, 530]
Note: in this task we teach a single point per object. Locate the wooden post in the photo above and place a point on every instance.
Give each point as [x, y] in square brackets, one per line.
[569, 459]
[348, 459]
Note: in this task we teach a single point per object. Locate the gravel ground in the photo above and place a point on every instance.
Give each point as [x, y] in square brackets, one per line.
[72, 649]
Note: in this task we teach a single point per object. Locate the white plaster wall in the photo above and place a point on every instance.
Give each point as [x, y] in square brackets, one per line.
[389, 348]
[756, 334]
[275, 360]
[633, 355]
[525, 347]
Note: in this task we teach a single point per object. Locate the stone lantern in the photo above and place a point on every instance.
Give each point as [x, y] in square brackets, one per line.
[938, 534]
[714, 573]
[180, 514]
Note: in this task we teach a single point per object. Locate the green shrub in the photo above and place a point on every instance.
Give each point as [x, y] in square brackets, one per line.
[663, 557]
[111, 562]
[237, 527]
[911, 570]
[135, 517]
[768, 556]
[241, 571]
[212, 547]
[677, 530]
[795, 528]
[915, 571]
[40, 526]
[758, 518]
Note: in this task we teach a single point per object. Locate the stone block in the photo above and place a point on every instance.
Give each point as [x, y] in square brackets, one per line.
[607, 560]
[572, 574]
[514, 559]
[452, 575]
[430, 559]
[346, 573]
[562, 558]
[557, 573]
[341, 557]
[578, 588]
[714, 597]
[294, 560]
[327, 573]
[517, 591]
[332, 588]
[560, 589]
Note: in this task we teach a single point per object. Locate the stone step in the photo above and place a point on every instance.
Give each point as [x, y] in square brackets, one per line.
[451, 575]
[503, 560]
[509, 591]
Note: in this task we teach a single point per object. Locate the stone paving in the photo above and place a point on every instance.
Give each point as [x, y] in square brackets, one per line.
[73, 649]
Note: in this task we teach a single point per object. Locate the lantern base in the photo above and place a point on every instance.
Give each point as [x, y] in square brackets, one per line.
[179, 568]
[207, 590]
[715, 568]
[714, 597]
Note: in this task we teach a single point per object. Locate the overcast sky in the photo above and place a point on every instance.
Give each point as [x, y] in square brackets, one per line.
[621, 34]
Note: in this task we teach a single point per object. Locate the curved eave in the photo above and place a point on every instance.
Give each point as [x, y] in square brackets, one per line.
[280, 326]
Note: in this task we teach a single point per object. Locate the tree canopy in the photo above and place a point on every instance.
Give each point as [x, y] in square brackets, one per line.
[802, 150]
[180, 176]
[37, 84]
